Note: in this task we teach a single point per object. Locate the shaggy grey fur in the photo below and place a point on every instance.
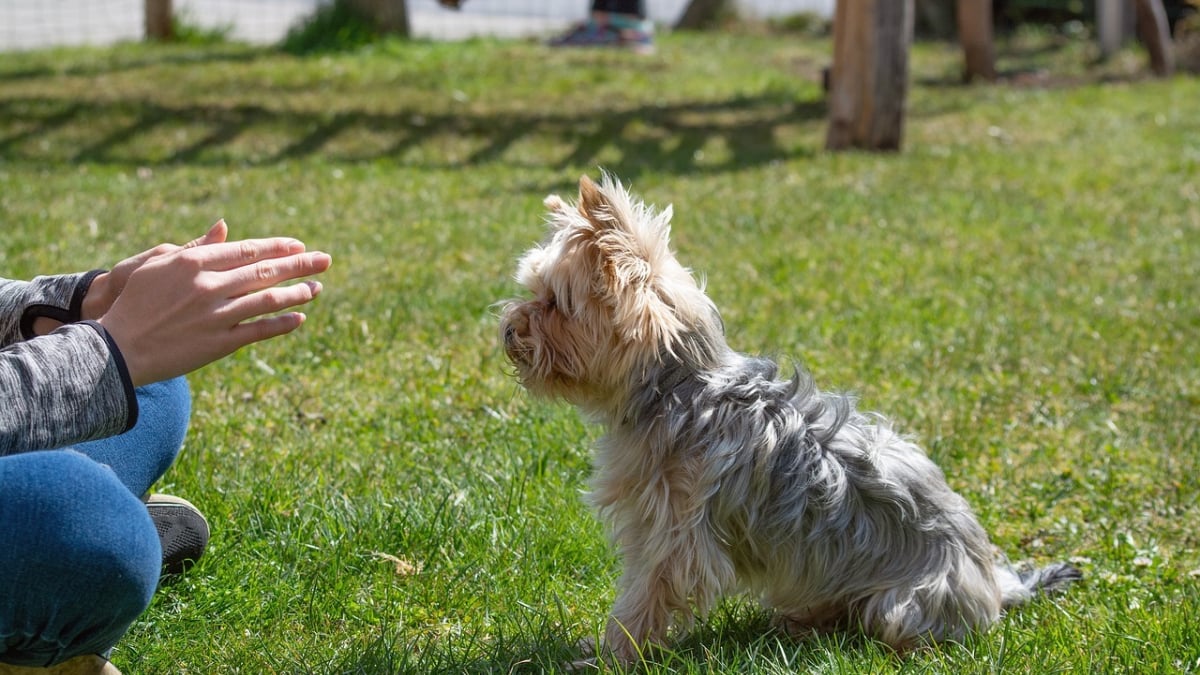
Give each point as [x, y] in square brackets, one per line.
[718, 476]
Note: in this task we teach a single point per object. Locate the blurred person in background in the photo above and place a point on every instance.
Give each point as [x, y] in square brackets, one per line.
[611, 23]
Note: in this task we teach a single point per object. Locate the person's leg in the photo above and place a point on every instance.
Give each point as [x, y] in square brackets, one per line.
[79, 557]
[628, 7]
[143, 454]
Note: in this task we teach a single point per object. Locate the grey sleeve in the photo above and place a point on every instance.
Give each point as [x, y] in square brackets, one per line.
[63, 388]
[58, 297]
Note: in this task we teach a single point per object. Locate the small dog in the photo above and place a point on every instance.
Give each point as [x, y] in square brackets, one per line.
[716, 476]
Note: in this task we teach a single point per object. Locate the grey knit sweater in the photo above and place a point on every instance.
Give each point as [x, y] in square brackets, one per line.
[63, 388]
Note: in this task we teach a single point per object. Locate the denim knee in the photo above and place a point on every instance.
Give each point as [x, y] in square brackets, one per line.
[79, 557]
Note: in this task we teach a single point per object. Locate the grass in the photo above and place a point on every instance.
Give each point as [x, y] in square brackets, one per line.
[1017, 289]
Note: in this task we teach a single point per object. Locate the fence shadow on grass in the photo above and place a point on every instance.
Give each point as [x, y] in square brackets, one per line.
[123, 63]
[686, 137]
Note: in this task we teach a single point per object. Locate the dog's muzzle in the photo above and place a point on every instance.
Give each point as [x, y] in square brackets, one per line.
[515, 330]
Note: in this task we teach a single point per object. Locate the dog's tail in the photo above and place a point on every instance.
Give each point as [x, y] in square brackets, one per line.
[1017, 588]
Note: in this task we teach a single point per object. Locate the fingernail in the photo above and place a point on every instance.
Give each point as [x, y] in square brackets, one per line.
[314, 286]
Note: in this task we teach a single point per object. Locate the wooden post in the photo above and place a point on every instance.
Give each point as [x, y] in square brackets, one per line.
[1155, 33]
[158, 20]
[975, 34]
[869, 79]
[699, 13]
[390, 16]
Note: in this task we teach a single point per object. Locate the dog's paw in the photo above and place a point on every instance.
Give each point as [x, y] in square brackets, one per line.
[587, 648]
[588, 660]
[588, 665]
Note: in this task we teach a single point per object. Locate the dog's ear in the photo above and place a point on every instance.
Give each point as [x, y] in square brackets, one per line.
[631, 242]
[593, 205]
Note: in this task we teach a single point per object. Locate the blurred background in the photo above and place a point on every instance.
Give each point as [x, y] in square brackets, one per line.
[27, 24]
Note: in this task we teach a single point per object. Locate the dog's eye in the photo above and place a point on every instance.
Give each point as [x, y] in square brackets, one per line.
[551, 303]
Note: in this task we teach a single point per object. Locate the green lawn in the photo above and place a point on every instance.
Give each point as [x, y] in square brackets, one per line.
[1018, 289]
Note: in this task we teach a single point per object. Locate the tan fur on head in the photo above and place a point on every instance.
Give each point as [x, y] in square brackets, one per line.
[608, 297]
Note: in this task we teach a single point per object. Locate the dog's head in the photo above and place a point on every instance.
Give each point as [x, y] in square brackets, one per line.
[609, 300]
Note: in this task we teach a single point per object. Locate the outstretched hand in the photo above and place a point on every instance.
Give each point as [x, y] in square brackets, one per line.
[107, 286]
[180, 308]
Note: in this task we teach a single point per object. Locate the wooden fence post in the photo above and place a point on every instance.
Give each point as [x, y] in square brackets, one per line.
[390, 16]
[158, 20]
[1155, 33]
[975, 35]
[869, 78]
[699, 13]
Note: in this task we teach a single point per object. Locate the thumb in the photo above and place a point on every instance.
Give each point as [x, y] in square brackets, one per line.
[215, 235]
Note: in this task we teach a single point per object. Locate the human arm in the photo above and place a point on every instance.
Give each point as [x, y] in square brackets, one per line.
[38, 307]
[63, 388]
[57, 299]
[70, 384]
[177, 309]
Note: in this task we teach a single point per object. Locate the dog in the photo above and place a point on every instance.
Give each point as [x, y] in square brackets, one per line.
[717, 476]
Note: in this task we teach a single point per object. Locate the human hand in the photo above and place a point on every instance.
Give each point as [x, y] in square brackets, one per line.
[188, 307]
[106, 287]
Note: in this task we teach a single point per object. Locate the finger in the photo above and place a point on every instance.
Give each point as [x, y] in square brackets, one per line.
[266, 328]
[140, 259]
[234, 254]
[270, 301]
[215, 235]
[266, 273]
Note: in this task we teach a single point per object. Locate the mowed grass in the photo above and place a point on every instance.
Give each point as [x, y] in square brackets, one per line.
[1017, 289]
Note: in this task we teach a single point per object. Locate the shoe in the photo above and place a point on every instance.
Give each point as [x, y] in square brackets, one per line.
[639, 39]
[88, 664]
[451, 4]
[182, 530]
[588, 34]
[637, 36]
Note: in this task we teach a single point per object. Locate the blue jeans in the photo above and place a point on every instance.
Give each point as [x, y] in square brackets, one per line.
[79, 555]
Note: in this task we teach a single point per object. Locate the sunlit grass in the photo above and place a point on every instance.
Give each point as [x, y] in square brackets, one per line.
[1017, 289]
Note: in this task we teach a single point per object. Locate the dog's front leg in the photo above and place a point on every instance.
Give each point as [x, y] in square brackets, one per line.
[642, 613]
[672, 573]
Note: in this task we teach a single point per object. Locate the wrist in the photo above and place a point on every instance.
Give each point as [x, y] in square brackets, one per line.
[44, 325]
[125, 353]
[97, 300]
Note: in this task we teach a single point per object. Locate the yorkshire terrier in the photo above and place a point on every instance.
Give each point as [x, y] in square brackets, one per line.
[716, 476]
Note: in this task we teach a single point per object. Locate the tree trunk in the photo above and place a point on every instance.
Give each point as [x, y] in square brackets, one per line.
[869, 79]
[975, 35]
[699, 14]
[158, 20]
[1154, 31]
[390, 16]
